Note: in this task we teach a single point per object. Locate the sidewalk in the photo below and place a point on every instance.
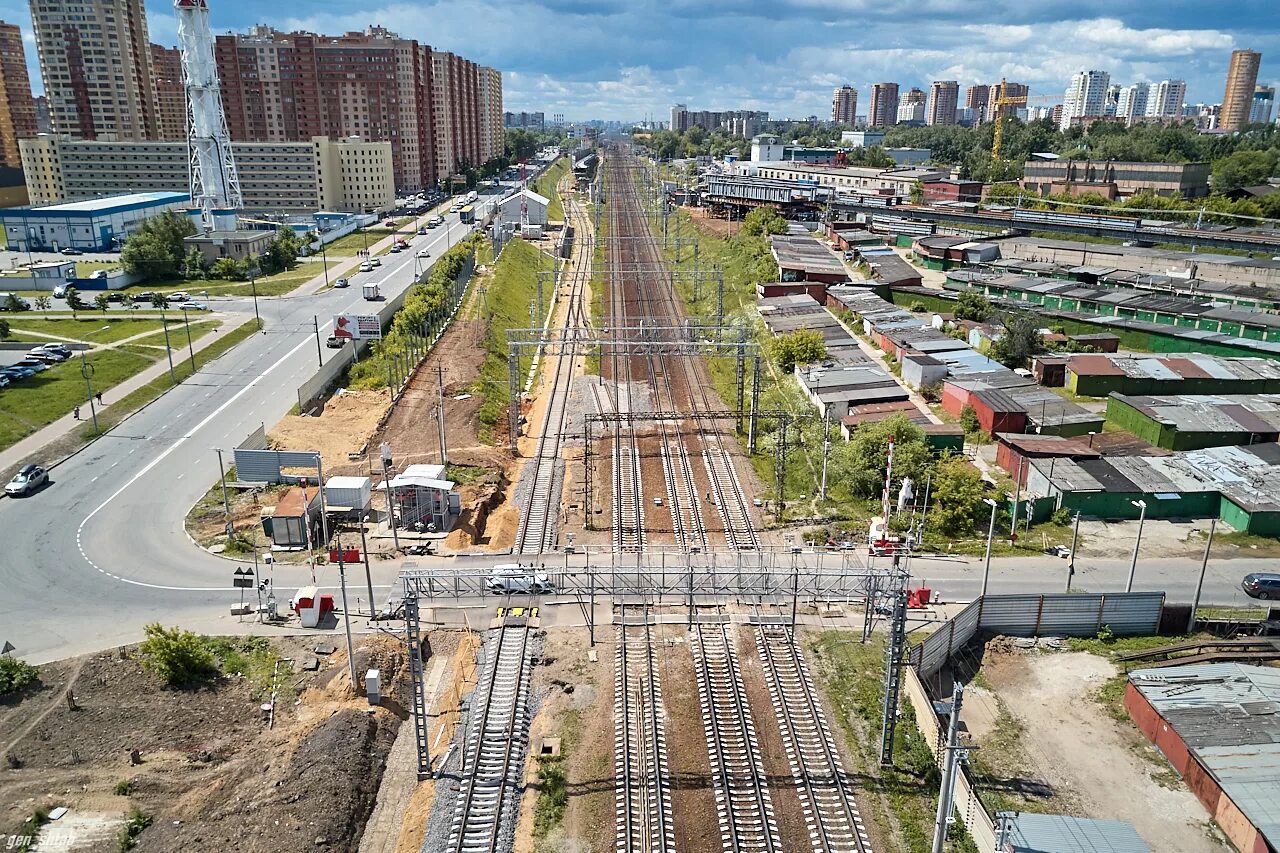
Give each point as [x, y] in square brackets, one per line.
[32, 445]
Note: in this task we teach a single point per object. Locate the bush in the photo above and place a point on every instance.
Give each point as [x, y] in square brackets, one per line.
[918, 307]
[16, 675]
[178, 657]
[969, 419]
[1062, 516]
[138, 821]
[124, 788]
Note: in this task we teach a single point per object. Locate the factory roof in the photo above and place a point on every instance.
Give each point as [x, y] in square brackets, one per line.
[1027, 832]
[1228, 715]
[110, 204]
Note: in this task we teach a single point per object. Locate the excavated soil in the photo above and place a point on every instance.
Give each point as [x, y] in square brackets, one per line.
[213, 774]
[345, 424]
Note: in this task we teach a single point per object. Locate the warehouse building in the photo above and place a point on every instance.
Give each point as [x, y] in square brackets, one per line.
[1028, 832]
[1114, 179]
[1191, 422]
[98, 225]
[525, 206]
[1218, 726]
[1099, 375]
[837, 388]
[348, 174]
[805, 259]
[895, 181]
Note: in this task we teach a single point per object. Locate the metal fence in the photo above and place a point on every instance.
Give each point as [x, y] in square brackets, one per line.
[257, 463]
[1061, 614]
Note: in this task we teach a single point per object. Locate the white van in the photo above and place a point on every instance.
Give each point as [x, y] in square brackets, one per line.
[515, 578]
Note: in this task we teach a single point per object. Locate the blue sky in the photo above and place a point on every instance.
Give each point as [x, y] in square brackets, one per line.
[623, 60]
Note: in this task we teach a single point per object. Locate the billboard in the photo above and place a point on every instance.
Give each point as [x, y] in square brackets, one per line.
[361, 327]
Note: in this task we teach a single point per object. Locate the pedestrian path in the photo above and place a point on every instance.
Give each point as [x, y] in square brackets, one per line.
[29, 448]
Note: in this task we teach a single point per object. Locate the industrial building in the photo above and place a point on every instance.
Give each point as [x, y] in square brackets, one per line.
[351, 175]
[895, 181]
[1191, 422]
[99, 225]
[1115, 179]
[805, 259]
[525, 206]
[424, 498]
[1028, 832]
[1217, 725]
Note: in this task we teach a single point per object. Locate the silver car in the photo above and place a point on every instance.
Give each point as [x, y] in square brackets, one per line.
[27, 480]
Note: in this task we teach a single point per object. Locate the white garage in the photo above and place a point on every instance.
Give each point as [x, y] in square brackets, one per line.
[509, 209]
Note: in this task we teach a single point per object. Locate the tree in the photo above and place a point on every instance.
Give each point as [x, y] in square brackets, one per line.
[762, 221]
[13, 303]
[1243, 169]
[156, 250]
[958, 495]
[178, 657]
[74, 302]
[160, 300]
[803, 346]
[969, 419]
[861, 461]
[972, 305]
[281, 253]
[193, 265]
[1020, 340]
[43, 303]
[101, 302]
[229, 269]
[4, 329]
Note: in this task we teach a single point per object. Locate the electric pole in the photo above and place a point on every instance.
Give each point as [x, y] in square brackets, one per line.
[953, 755]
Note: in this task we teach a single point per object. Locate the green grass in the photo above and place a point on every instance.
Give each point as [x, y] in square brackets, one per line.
[177, 334]
[26, 834]
[39, 400]
[546, 186]
[852, 676]
[140, 397]
[513, 284]
[553, 790]
[1109, 647]
[88, 327]
[348, 244]
[85, 268]
[270, 285]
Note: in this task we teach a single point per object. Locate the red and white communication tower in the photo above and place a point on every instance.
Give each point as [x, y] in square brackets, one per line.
[215, 186]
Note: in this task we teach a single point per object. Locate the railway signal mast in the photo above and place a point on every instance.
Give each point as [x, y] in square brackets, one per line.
[215, 186]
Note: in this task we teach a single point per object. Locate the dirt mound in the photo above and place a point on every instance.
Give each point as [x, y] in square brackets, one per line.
[344, 425]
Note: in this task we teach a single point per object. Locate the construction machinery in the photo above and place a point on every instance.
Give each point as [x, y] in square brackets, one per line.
[1001, 99]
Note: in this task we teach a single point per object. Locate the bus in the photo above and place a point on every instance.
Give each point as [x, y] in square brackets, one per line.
[467, 214]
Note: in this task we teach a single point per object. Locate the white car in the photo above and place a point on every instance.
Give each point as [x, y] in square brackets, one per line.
[514, 578]
[366, 267]
[179, 296]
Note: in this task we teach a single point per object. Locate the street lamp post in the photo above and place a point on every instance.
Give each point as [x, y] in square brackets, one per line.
[191, 350]
[991, 532]
[1133, 567]
[86, 370]
[368, 578]
[254, 272]
[1071, 558]
[1204, 566]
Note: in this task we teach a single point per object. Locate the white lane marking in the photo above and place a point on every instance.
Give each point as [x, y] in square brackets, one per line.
[154, 462]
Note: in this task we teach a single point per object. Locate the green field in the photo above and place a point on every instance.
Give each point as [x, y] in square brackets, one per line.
[85, 268]
[347, 245]
[177, 335]
[39, 400]
[546, 186]
[95, 329]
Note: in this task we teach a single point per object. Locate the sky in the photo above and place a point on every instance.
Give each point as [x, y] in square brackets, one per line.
[627, 60]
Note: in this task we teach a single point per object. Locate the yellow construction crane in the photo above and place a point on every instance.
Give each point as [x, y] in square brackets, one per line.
[1000, 99]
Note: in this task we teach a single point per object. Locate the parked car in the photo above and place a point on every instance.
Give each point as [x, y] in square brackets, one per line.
[375, 262]
[115, 296]
[36, 364]
[390, 223]
[366, 267]
[13, 302]
[1263, 585]
[15, 373]
[179, 296]
[98, 274]
[513, 578]
[60, 291]
[342, 282]
[27, 480]
[144, 296]
[4, 381]
[61, 349]
[72, 250]
[335, 342]
[194, 306]
[46, 357]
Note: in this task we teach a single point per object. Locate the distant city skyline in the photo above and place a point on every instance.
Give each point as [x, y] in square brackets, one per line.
[618, 61]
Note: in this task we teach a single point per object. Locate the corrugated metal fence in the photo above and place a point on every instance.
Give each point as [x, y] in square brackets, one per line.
[1061, 614]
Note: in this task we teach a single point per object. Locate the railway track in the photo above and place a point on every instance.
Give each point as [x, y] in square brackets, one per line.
[739, 533]
[826, 793]
[494, 752]
[642, 783]
[537, 531]
[628, 507]
[743, 805]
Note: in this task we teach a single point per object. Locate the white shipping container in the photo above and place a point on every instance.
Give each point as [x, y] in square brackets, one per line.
[352, 492]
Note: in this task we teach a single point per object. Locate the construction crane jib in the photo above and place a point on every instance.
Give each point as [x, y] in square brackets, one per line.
[215, 186]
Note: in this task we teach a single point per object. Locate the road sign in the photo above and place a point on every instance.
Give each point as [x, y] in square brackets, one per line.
[347, 555]
[242, 578]
[8, 647]
[360, 327]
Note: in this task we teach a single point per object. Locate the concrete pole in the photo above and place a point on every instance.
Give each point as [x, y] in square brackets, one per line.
[226, 503]
[1133, 566]
[1071, 558]
[991, 532]
[948, 772]
[1204, 566]
[346, 615]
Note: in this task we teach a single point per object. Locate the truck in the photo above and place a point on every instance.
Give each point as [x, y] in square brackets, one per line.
[371, 292]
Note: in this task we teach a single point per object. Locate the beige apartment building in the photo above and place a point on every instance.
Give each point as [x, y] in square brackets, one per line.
[493, 136]
[95, 60]
[171, 94]
[861, 179]
[350, 175]
[17, 107]
[1242, 78]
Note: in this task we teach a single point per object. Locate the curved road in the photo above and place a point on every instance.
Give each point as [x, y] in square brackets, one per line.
[103, 550]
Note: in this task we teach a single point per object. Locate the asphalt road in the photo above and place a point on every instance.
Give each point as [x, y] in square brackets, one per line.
[102, 550]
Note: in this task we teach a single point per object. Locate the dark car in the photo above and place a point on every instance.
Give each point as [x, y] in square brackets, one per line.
[27, 480]
[71, 250]
[1262, 585]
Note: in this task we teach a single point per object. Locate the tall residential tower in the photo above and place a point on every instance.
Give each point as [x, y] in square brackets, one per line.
[17, 107]
[1242, 79]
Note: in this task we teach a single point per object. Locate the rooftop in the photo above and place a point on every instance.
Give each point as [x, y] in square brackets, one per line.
[805, 253]
[116, 201]
[1051, 833]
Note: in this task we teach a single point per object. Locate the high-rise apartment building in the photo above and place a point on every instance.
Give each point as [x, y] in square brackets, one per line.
[1085, 97]
[44, 122]
[1111, 104]
[943, 98]
[844, 105]
[679, 118]
[438, 110]
[978, 98]
[17, 107]
[171, 95]
[95, 60]
[1242, 79]
[1005, 89]
[1165, 99]
[1264, 98]
[883, 111]
[911, 106]
[1132, 103]
[524, 120]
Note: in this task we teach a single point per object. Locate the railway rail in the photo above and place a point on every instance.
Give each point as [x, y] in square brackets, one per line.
[743, 804]
[826, 793]
[537, 530]
[494, 752]
[642, 782]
